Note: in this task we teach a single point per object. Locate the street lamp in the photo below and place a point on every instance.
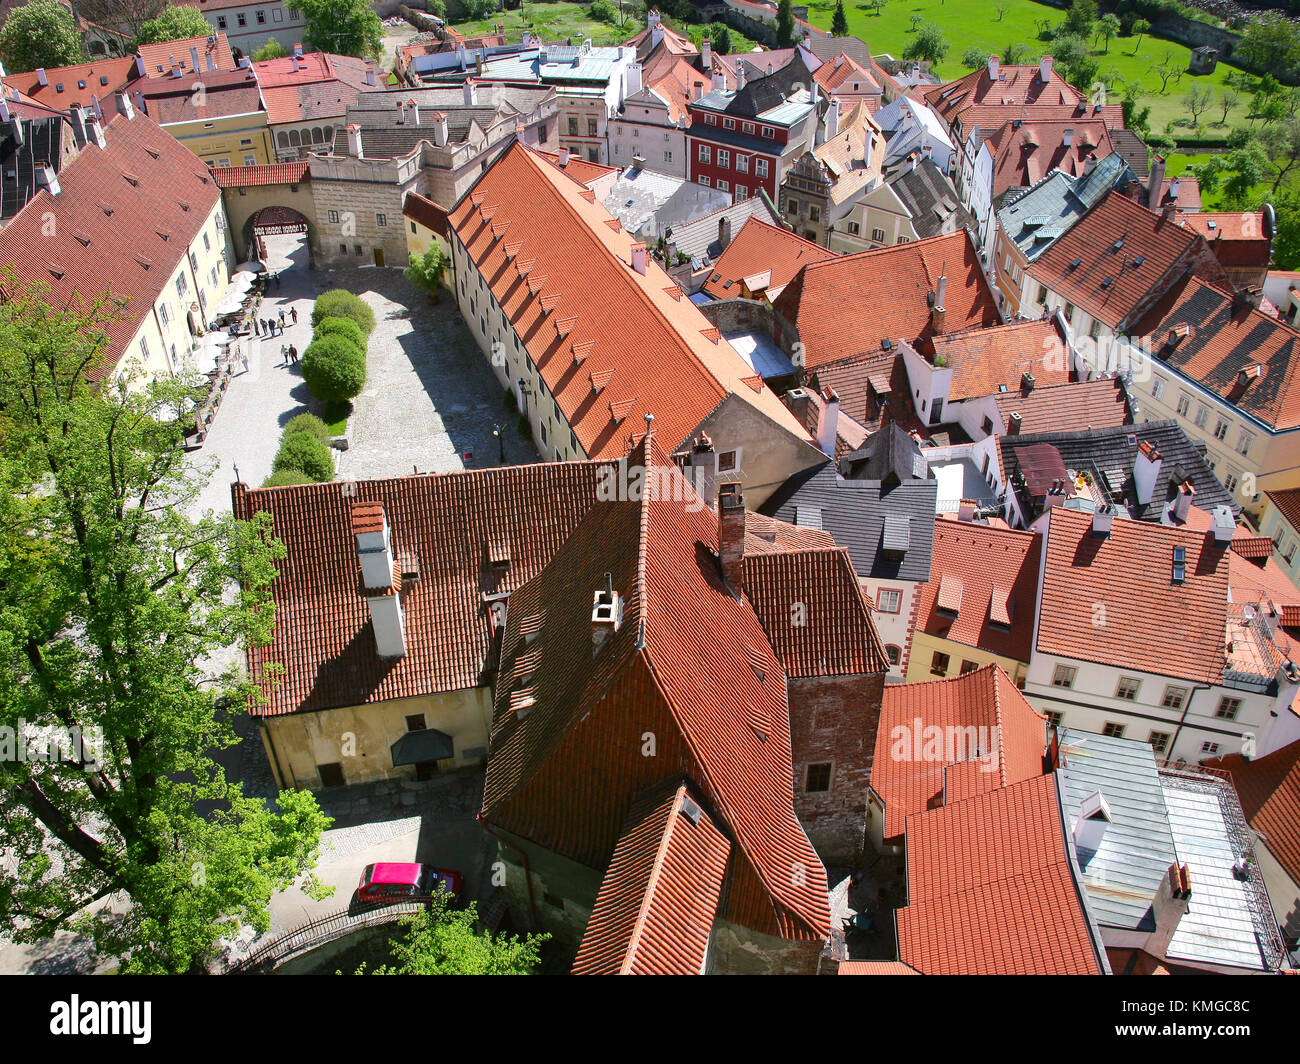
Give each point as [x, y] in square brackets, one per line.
[501, 442]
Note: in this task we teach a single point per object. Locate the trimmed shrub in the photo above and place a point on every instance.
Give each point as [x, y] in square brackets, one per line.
[340, 303]
[302, 452]
[334, 369]
[345, 327]
[307, 423]
[286, 478]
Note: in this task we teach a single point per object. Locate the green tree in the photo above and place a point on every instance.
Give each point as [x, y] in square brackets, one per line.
[426, 271]
[1286, 242]
[785, 24]
[1136, 118]
[1271, 44]
[174, 24]
[1108, 27]
[335, 371]
[345, 27]
[1169, 69]
[1281, 143]
[839, 20]
[345, 327]
[1235, 173]
[974, 57]
[307, 453]
[272, 49]
[113, 594]
[1227, 100]
[40, 34]
[308, 423]
[441, 940]
[340, 303]
[1197, 101]
[1079, 19]
[929, 45]
[721, 39]
[1014, 53]
[1141, 27]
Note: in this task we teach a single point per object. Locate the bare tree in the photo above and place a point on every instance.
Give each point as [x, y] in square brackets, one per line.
[1196, 102]
[1168, 70]
[126, 16]
[1001, 9]
[1227, 100]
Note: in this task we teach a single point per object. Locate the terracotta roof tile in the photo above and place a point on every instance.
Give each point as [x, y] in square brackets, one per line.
[1237, 238]
[1287, 502]
[423, 211]
[990, 889]
[760, 248]
[1026, 152]
[72, 85]
[249, 176]
[982, 360]
[158, 57]
[977, 102]
[1096, 404]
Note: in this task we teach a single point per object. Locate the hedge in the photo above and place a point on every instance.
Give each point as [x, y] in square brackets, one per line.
[345, 327]
[308, 423]
[340, 303]
[334, 368]
[285, 478]
[304, 453]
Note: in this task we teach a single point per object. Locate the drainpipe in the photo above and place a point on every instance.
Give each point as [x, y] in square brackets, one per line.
[1187, 706]
[528, 872]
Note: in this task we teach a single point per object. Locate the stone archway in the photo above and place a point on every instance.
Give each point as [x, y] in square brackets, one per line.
[271, 221]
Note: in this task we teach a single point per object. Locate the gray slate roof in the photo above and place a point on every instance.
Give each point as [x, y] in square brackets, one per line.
[699, 239]
[931, 200]
[1047, 210]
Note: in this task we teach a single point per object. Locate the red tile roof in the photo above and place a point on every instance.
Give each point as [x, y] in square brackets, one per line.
[977, 102]
[998, 570]
[581, 170]
[1148, 622]
[648, 347]
[876, 968]
[982, 360]
[105, 233]
[1224, 342]
[1269, 789]
[1096, 404]
[425, 212]
[844, 76]
[675, 85]
[690, 664]
[80, 83]
[158, 58]
[990, 889]
[1026, 152]
[846, 305]
[173, 101]
[248, 176]
[1287, 503]
[1108, 283]
[324, 86]
[911, 772]
[655, 908]
[763, 251]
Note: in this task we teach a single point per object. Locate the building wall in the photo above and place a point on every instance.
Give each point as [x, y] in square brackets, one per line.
[895, 628]
[880, 209]
[644, 128]
[1285, 537]
[232, 141]
[546, 891]
[358, 205]
[275, 21]
[242, 204]
[739, 951]
[834, 719]
[577, 112]
[360, 737]
[925, 646]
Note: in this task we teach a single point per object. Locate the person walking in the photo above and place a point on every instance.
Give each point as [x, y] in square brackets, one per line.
[243, 357]
[257, 327]
[293, 354]
[293, 312]
[284, 355]
[282, 317]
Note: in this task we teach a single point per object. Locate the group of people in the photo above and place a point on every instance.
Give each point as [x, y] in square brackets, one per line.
[288, 355]
[273, 326]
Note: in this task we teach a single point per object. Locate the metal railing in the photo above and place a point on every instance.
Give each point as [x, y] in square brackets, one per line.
[318, 932]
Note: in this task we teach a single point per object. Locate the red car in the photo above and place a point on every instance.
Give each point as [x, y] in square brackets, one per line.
[384, 884]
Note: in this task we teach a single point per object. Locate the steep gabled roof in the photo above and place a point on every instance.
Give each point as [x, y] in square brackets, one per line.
[761, 250]
[158, 58]
[1024, 153]
[848, 304]
[71, 85]
[976, 101]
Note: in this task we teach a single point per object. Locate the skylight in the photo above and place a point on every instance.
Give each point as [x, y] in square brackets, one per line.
[1180, 565]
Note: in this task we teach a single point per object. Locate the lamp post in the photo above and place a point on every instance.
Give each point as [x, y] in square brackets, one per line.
[501, 443]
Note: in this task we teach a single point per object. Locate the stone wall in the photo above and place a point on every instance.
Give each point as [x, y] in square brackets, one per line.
[740, 315]
[739, 951]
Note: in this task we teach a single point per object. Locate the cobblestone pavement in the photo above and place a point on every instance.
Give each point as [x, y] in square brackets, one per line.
[430, 401]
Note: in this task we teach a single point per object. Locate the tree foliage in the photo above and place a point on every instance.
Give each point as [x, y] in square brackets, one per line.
[272, 49]
[43, 33]
[334, 369]
[839, 20]
[426, 271]
[929, 45]
[340, 303]
[441, 940]
[345, 27]
[974, 57]
[785, 24]
[113, 593]
[1080, 18]
[174, 24]
[345, 327]
[1270, 44]
[306, 453]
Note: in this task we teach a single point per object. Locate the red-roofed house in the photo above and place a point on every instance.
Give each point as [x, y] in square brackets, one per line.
[978, 606]
[1280, 521]
[1242, 241]
[591, 335]
[224, 123]
[851, 83]
[308, 96]
[60, 88]
[760, 261]
[188, 55]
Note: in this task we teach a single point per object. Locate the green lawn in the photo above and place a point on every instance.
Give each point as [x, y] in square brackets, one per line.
[976, 22]
[553, 22]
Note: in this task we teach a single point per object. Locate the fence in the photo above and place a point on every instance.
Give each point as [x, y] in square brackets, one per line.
[317, 933]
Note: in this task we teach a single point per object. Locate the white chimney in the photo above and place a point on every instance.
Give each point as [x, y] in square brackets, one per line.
[1223, 524]
[412, 112]
[1094, 819]
[993, 67]
[564, 157]
[527, 41]
[139, 102]
[1146, 471]
[471, 93]
[41, 79]
[833, 118]
[297, 51]
[461, 56]
[1045, 69]
[176, 70]
[740, 74]
[1168, 907]
[374, 543]
[439, 128]
[633, 78]
[656, 34]
[719, 81]
[370, 72]
[606, 613]
[95, 130]
[828, 429]
[389, 623]
[209, 61]
[1102, 518]
[297, 63]
[47, 179]
[1183, 501]
[640, 258]
[706, 53]
[354, 141]
[941, 292]
[124, 107]
[77, 118]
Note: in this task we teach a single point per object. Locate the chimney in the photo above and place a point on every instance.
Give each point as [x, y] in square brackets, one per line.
[1027, 383]
[966, 510]
[656, 34]
[1067, 137]
[740, 74]
[176, 70]
[77, 116]
[209, 62]
[606, 613]
[297, 51]
[297, 63]
[1090, 164]
[1013, 424]
[699, 89]
[194, 60]
[640, 258]
[1183, 501]
[380, 579]
[938, 313]
[1094, 818]
[48, 180]
[471, 93]
[633, 78]
[370, 72]
[95, 130]
[563, 157]
[439, 129]
[724, 231]
[1155, 181]
[412, 112]
[478, 62]
[124, 107]
[701, 468]
[139, 67]
[1223, 525]
[1168, 907]
[731, 537]
[719, 81]
[706, 54]
[833, 118]
[41, 79]
[1175, 187]
[1045, 69]
[1146, 470]
[527, 41]
[830, 421]
[1102, 518]
[139, 102]
[354, 141]
[993, 67]
[461, 57]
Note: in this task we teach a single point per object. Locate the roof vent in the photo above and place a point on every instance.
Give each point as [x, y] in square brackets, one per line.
[1118, 246]
[1094, 818]
[606, 613]
[1107, 282]
[1138, 261]
[1075, 264]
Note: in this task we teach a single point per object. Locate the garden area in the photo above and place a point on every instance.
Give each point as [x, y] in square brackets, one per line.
[551, 21]
[334, 369]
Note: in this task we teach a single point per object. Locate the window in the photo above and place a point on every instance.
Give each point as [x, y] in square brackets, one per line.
[742, 164]
[668, 156]
[727, 461]
[854, 229]
[591, 127]
[330, 775]
[1209, 748]
[742, 193]
[207, 244]
[144, 348]
[1184, 404]
[968, 666]
[249, 160]
[277, 15]
[987, 427]
[261, 18]
[728, 123]
[1157, 387]
[415, 722]
[1069, 312]
[293, 15]
[1054, 717]
[241, 19]
[1128, 688]
[343, 249]
[1042, 295]
[1244, 441]
[791, 206]
[814, 213]
[724, 158]
[748, 127]
[704, 180]
[706, 155]
[724, 186]
[1159, 741]
[182, 286]
[573, 125]
[1228, 708]
[893, 653]
[1220, 429]
[1175, 697]
[889, 600]
[818, 777]
[878, 235]
[769, 132]
[1064, 676]
[760, 168]
[1115, 731]
[221, 22]
[333, 216]
[381, 219]
[939, 663]
[1230, 481]
[356, 248]
[1202, 415]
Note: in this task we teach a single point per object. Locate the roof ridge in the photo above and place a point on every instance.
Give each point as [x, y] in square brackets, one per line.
[652, 881]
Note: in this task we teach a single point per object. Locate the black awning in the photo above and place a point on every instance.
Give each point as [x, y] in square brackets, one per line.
[428, 744]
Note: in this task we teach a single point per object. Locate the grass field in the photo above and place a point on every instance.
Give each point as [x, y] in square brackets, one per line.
[553, 22]
[977, 22]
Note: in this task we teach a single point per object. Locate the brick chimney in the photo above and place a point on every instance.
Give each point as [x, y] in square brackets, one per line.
[1146, 471]
[731, 537]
